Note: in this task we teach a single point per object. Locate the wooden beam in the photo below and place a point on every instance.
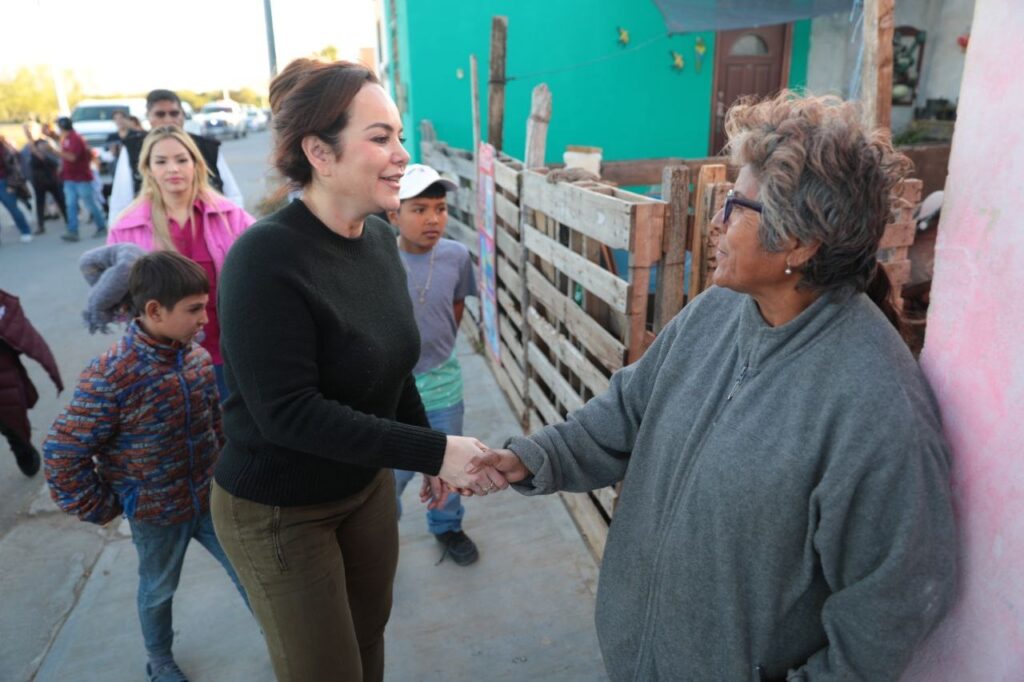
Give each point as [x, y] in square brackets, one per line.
[474, 95]
[537, 126]
[637, 172]
[669, 294]
[611, 289]
[708, 175]
[876, 74]
[496, 84]
[596, 215]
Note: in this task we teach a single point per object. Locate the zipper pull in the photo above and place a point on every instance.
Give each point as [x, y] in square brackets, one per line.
[735, 387]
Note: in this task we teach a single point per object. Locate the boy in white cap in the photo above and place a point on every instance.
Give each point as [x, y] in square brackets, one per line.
[440, 276]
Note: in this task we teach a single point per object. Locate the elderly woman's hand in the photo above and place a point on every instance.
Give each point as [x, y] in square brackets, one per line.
[506, 462]
[455, 467]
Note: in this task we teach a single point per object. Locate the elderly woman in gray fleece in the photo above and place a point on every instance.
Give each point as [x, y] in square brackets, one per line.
[785, 509]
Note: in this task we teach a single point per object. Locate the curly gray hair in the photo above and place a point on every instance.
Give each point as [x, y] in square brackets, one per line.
[824, 179]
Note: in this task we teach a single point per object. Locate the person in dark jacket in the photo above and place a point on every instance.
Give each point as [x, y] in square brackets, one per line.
[44, 172]
[17, 393]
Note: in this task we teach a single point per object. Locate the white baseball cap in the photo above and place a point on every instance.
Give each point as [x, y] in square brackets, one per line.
[419, 177]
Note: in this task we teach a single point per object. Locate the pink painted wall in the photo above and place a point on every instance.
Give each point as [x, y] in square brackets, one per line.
[974, 356]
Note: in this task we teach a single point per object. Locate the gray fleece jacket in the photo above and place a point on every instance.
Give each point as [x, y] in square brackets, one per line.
[785, 508]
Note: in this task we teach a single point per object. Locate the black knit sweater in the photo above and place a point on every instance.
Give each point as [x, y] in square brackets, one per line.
[319, 343]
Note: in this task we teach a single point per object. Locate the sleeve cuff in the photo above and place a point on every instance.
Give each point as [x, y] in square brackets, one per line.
[414, 448]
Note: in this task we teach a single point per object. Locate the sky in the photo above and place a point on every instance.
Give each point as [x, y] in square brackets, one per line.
[117, 46]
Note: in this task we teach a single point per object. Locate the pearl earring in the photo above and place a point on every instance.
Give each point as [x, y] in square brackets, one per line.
[789, 270]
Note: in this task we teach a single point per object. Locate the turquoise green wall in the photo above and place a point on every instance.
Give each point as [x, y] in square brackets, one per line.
[632, 103]
[798, 54]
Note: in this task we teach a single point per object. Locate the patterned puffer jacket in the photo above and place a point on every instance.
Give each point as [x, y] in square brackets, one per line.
[140, 436]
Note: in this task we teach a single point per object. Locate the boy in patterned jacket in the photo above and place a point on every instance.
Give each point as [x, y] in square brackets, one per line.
[140, 437]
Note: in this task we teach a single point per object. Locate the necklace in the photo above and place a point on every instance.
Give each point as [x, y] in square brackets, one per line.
[421, 292]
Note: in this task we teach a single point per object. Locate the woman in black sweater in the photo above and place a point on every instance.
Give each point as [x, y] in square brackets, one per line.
[319, 344]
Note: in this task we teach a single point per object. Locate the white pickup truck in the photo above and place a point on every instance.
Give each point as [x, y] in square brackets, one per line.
[222, 118]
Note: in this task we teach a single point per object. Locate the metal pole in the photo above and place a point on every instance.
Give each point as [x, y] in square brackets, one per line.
[271, 51]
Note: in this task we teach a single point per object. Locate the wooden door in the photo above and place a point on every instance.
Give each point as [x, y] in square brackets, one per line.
[750, 61]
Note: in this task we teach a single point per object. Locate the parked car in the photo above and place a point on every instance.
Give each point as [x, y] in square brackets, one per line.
[256, 119]
[222, 118]
[94, 118]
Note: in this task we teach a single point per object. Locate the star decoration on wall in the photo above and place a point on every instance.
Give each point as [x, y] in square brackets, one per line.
[623, 36]
[678, 63]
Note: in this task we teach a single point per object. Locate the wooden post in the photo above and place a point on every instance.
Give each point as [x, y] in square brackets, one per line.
[876, 74]
[709, 175]
[496, 84]
[474, 90]
[536, 140]
[537, 127]
[668, 296]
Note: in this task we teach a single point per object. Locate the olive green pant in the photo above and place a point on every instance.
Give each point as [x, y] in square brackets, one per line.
[318, 577]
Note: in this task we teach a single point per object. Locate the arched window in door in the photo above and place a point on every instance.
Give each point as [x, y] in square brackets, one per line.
[750, 45]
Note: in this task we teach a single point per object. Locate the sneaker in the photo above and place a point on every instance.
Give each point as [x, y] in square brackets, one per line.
[69, 237]
[27, 458]
[165, 672]
[26, 238]
[98, 234]
[458, 546]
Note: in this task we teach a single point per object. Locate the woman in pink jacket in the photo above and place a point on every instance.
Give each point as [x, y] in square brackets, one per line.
[178, 210]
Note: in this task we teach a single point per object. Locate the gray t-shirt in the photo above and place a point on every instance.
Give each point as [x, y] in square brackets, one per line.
[450, 280]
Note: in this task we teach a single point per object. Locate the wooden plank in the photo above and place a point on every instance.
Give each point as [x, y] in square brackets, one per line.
[708, 175]
[508, 278]
[669, 295]
[474, 107]
[509, 306]
[599, 341]
[638, 171]
[506, 176]
[540, 402]
[507, 211]
[469, 328]
[589, 522]
[591, 377]
[648, 231]
[463, 234]
[516, 348]
[596, 215]
[537, 126]
[543, 369]
[606, 498]
[508, 388]
[496, 84]
[464, 199]
[507, 244]
[598, 281]
[876, 77]
[640, 283]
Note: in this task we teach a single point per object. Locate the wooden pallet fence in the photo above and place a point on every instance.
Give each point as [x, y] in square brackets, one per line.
[585, 320]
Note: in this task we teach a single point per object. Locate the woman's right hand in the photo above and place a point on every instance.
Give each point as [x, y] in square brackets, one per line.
[455, 469]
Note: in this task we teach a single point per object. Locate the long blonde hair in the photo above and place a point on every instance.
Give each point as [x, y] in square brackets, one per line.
[150, 191]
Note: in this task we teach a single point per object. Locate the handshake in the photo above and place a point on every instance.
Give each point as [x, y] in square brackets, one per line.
[471, 468]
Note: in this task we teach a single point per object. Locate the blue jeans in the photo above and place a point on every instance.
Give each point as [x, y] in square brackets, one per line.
[161, 552]
[73, 191]
[448, 517]
[10, 202]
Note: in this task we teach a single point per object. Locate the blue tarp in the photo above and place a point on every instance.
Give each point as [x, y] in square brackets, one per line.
[687, 16]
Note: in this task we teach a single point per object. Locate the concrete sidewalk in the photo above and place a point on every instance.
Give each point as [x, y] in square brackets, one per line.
[523, 612]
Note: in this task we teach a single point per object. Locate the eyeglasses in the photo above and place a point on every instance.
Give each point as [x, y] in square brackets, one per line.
[733, 200]
[167, 114]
